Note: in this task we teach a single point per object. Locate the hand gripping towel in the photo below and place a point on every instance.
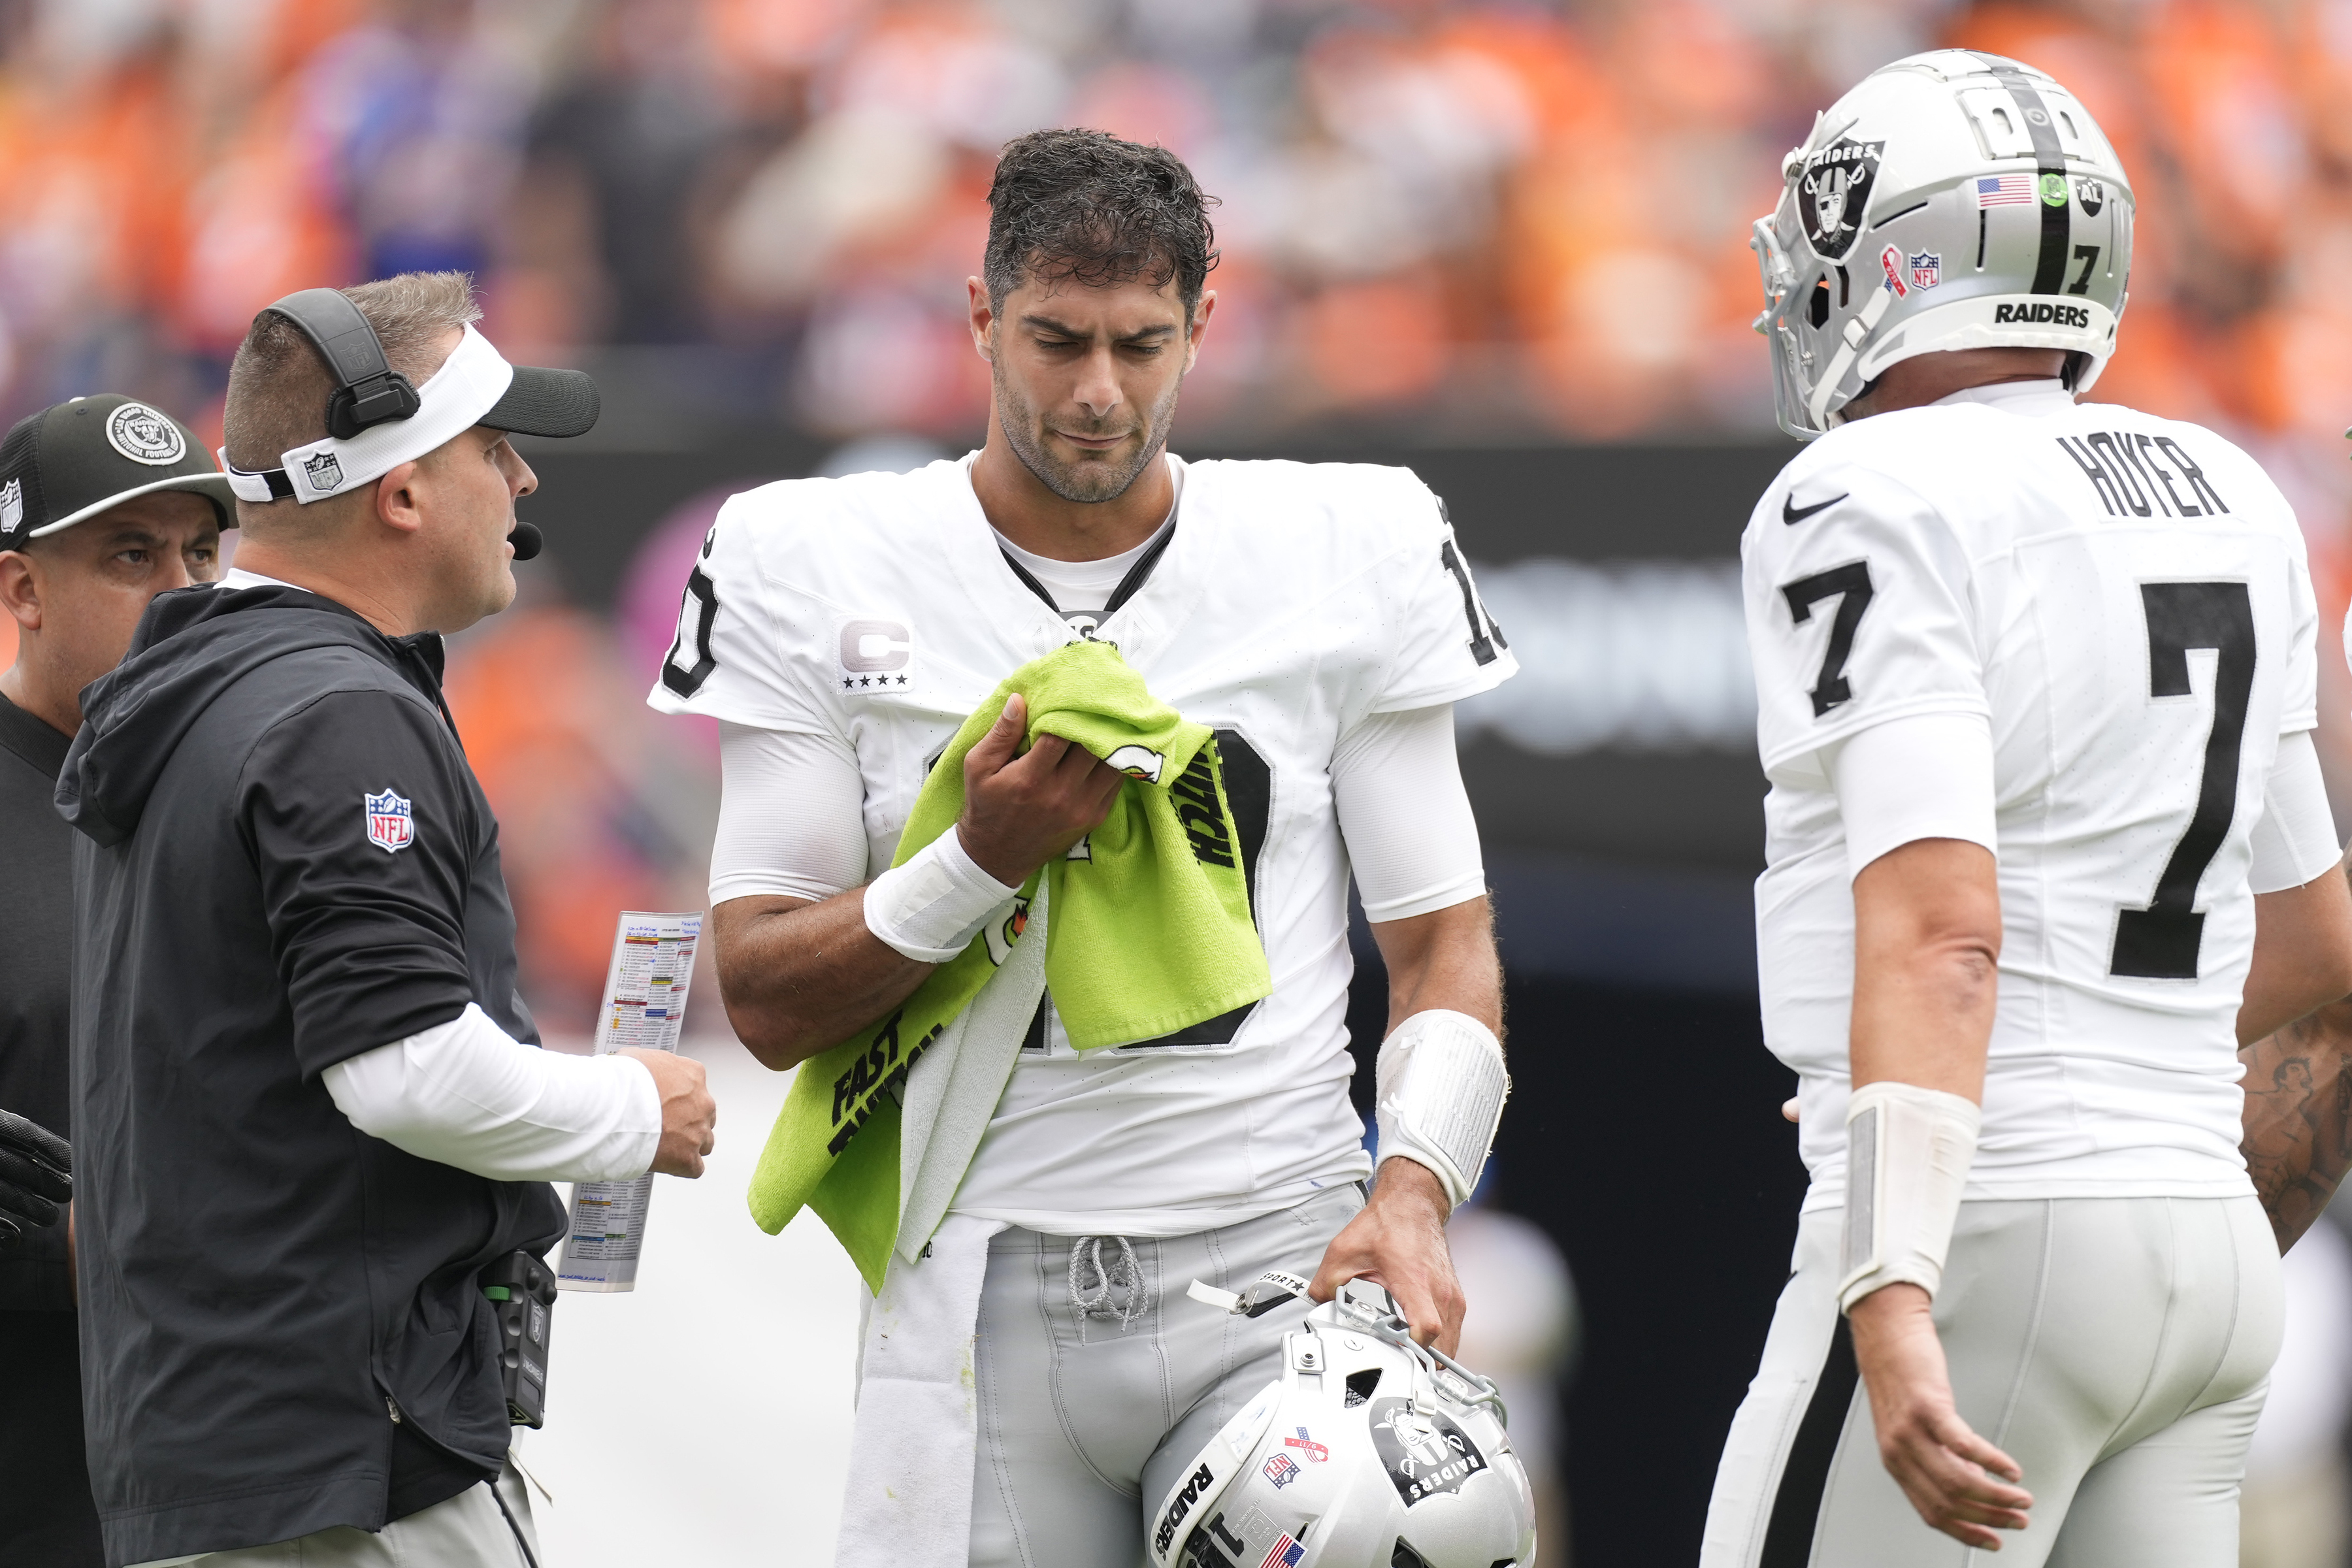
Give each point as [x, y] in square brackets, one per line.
[1150, 933]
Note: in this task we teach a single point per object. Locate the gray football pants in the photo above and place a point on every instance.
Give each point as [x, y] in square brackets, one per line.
[2117, 1349]
[1099, 1379]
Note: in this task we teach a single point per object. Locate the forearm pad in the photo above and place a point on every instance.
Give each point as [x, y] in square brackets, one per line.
[1907, 1155]
[930, 908]
[1441, 1086]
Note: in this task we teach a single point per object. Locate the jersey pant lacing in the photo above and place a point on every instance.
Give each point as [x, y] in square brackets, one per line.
[1115, 1291]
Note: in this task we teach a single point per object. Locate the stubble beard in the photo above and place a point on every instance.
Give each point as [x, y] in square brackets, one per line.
[1088, 483]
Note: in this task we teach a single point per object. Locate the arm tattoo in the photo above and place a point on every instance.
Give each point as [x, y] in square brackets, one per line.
[2298, 1117]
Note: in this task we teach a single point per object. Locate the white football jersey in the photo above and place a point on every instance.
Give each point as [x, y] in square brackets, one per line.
[2127, 601]
[1291, 600]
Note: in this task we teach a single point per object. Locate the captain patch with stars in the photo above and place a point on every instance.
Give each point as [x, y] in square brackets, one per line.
[877, 653]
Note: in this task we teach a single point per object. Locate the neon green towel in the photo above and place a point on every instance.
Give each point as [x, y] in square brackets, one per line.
[1150, 933]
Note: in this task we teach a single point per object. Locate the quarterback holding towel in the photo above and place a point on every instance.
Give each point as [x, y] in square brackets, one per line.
[1035, 1377]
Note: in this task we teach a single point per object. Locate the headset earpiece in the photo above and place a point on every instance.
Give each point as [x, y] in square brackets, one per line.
[378, 400]
[367, 391]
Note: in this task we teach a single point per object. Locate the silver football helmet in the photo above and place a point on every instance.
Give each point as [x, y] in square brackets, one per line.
[1953, 200]
[1369, 1451]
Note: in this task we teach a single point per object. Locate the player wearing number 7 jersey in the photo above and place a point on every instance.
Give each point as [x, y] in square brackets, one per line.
[2045, 837]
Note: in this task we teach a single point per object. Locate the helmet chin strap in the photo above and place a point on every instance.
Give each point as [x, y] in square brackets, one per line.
[1857, 332]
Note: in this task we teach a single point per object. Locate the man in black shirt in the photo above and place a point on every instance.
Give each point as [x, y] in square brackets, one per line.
[104, 503]
[311, 1107]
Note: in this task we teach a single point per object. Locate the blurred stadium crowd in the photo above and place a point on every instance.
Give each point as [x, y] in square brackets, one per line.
[1445, 223]
[1511, 217]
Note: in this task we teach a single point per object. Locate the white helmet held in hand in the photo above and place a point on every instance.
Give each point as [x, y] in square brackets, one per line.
[1369, 1452]
[1953, 200]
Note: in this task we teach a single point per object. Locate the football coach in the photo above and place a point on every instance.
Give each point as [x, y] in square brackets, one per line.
[309, 1112]
[104, 502]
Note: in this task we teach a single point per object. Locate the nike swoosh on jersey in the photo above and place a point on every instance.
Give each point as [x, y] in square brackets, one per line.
[1793, 514]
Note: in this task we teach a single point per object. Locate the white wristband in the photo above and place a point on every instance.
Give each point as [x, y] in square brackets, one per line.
[1440, 1088]
[1907, 1156]
[930, 908]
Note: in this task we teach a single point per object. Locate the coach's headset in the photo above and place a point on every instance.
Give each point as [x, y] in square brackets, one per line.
[474, 386]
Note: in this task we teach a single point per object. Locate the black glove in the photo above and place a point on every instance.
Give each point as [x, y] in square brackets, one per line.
[35, 1175]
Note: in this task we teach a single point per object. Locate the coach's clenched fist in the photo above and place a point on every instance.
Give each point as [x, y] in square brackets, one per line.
[689, 1116]
[1020, 811]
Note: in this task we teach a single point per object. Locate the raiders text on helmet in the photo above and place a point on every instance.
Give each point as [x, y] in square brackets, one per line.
[1954, 200]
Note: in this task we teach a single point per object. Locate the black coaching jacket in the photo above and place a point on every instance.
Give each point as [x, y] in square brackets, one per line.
[285, 860]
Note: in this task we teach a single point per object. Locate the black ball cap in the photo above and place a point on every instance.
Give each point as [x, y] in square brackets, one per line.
[81, 457]
[541, 402]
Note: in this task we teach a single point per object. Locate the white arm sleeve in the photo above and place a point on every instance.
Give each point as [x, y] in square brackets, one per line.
[792, 815]
[1406, 819]
[1927, 776]
[2295, 840]
[469, 1094]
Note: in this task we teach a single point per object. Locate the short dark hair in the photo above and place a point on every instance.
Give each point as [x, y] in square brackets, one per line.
[1088, 207]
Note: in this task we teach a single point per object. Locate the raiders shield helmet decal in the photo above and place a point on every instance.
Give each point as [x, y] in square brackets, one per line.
[1425, 1451]
[1832, 192]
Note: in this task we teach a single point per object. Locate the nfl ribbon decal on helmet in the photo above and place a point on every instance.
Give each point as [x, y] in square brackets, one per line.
[1890, 261]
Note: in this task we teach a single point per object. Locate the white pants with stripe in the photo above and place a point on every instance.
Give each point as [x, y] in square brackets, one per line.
[2117, 1349]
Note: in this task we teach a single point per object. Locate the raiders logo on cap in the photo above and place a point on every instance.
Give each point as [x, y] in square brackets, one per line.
[1833, 190]
[86, 455]
[145, 435]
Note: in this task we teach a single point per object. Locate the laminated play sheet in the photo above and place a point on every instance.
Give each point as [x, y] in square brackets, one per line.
[644, 1005]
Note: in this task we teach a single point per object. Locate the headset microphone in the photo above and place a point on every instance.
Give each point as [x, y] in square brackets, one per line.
[526, 539]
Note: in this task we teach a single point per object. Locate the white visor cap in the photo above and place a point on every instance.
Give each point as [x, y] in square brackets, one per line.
[474, 386]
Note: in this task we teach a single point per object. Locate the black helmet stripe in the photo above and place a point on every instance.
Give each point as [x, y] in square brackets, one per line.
[2058, 219]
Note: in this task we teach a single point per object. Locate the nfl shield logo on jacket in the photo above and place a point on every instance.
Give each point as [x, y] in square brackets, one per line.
[391, 826]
